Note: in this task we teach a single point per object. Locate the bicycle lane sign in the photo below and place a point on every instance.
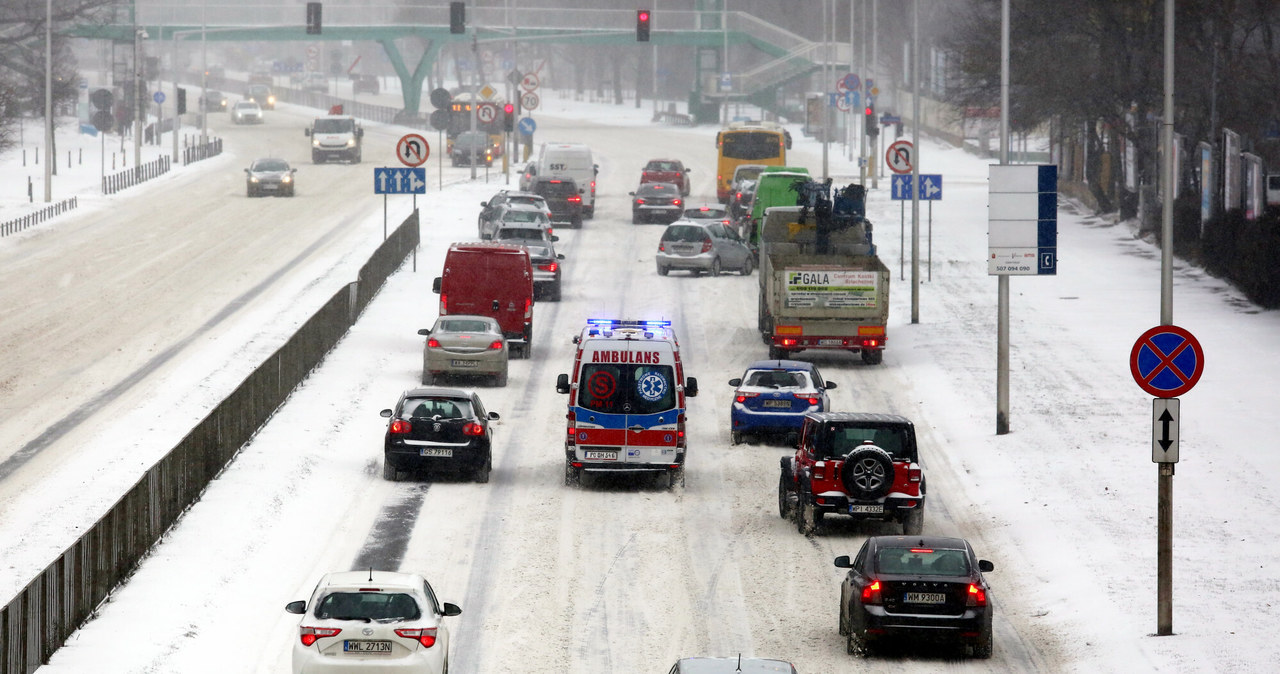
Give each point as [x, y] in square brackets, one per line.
[1166, 361]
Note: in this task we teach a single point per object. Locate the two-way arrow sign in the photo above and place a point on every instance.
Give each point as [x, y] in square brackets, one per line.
[1164, 430]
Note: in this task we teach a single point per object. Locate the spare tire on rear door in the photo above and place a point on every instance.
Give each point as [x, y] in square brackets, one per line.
[867, 473]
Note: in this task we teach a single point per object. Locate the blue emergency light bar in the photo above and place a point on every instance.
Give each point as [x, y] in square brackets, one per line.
[614, 322]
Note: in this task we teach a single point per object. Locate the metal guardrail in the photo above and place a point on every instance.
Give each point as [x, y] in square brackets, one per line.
[37, 621]
[32, 219]
[135, 176]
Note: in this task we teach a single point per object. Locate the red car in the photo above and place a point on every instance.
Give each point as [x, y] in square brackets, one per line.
[667, 171]
[865, 466]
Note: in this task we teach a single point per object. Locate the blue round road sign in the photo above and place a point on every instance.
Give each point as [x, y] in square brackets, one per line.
[527, 126]
[158, 97]
[1166, 361]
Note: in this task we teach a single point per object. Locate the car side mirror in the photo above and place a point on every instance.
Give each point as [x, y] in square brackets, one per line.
[424, 331]
[985, 566]
[842, 562]
[451, 609]
[293, 170]
[559, 256]
[554, 238]
[493, 416]
[298, 607]
[688, 170]
[828, 384]
[385, 413]
[736, 381]
[562, 383]
[435, 285]
[306, 132]
[359, 133]
[631, 193]
[691, 386]
[246, 170]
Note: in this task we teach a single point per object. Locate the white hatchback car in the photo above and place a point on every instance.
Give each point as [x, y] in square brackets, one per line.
[246, 112]
[359, 621]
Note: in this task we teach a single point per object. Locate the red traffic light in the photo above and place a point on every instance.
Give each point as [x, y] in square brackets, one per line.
[643, 16]
[868, 111]
[509, 108]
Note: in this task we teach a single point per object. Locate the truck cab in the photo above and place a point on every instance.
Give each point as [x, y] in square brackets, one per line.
[335, 137]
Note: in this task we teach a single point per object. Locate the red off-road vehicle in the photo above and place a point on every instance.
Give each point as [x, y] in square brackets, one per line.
[862, 465]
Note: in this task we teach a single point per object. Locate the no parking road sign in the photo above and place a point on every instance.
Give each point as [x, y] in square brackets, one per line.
[413, 150]
[1166, 361]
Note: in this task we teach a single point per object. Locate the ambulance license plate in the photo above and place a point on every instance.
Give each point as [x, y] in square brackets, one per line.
[600, 455]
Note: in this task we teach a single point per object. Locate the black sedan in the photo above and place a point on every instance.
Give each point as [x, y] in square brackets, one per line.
[916, 588]
[656, 202]
[438, 430]
[269, 176]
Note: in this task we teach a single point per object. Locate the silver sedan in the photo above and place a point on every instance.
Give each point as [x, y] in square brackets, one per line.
[700, 247]
[466, 346]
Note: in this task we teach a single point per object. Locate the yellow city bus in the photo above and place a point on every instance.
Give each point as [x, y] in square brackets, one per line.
[748, 143]
[460, 122]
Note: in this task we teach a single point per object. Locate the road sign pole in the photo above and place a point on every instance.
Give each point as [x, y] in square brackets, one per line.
[930, 240]
[902, 240]
[1164, 506]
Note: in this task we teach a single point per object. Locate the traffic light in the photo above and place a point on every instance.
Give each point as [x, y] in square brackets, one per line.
[873, 129]
[642, 25]
[509, 118]
[313, 18]
[457, 18]
[182, 101]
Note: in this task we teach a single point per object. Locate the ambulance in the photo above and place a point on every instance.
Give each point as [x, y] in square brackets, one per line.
[626, 401]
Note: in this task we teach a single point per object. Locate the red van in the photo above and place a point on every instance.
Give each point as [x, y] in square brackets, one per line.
[490, 279]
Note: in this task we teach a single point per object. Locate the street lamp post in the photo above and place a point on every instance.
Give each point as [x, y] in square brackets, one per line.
[138, 110]
[48, 102]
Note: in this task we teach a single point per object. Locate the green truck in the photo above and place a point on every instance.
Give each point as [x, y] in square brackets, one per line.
[821, 284]
[774, 187]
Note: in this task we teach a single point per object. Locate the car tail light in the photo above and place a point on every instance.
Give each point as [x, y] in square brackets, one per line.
[788, 341]
[914, 473]
[871, 593]
[738, 196]
[433, 343]
[870, 343]
[820, 470]
[706, 246]
[528, 306]
[639, 200]
[977, 596]
[741, 396]
[676, 202]
[444, 304]
[575, 199]
[400, 427]
[662, 246]
[680, 431]
[311, 634]
[496, 345]
[472, 428]
[425, 636]
[804, 396]
[571, 429]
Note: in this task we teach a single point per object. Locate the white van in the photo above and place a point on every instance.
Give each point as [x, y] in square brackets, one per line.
[571, 160]
[626, 401]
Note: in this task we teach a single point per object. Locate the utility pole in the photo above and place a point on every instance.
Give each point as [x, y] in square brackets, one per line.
[49, 159]
[138, 109]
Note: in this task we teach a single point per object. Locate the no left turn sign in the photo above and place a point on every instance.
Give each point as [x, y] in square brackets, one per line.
[899, 156]
[413, 150]
[486, 112]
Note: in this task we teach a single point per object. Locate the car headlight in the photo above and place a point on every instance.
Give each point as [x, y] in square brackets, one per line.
[286, 179]
[253, 179]
[351, 142]
[271, 100]
[315, 142]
